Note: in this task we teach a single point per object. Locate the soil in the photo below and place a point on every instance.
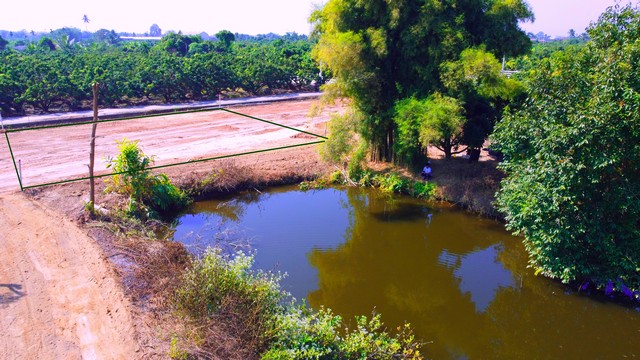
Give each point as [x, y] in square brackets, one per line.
[59, 298]
[67, 287]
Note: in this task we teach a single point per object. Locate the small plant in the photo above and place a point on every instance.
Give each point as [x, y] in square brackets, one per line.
[219, 286]
[304, 334]
[149, 195]
[392, 183]
[336, 177]
[313, 185]
[423, 190]
[175, 352]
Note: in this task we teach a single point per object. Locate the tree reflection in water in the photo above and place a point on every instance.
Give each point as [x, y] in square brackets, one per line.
[461, 281]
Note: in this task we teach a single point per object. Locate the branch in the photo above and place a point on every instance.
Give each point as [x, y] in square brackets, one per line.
[458, 152]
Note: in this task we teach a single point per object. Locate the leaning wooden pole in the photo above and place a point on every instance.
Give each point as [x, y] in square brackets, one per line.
[92, 199]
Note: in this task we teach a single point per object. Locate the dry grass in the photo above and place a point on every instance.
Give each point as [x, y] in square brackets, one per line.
[471, 185]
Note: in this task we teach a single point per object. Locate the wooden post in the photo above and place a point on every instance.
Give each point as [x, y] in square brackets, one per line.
[92, 198]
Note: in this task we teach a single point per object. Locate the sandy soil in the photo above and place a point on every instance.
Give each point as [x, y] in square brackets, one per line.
[63, 153]
[60, 296]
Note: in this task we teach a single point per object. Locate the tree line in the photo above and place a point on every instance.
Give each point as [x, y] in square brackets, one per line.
[56, 74]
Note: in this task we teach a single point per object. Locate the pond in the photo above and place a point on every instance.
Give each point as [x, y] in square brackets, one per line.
[460, 280]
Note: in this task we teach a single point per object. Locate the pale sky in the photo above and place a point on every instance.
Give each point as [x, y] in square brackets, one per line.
[554, 17]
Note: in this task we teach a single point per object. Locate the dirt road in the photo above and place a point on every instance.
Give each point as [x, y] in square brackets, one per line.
[58, 296]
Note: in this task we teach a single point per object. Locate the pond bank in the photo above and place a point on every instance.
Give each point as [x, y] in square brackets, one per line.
[149, 269]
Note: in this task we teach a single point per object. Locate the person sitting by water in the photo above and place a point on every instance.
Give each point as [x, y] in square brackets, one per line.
[426, 171]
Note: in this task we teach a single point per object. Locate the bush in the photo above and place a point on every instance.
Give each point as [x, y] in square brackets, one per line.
[220, 287]
[149, 195]
[423, 190]
[572, 159]
[215, 279]
[303, 334]
[392, 183]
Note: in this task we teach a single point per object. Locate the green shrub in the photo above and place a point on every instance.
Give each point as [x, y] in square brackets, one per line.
[149, 195]
[392, 183]
[216, 280]
[304, 334]
[423, 190]
[336, 177]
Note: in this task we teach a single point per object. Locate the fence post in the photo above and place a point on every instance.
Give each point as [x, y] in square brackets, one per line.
[92, 199]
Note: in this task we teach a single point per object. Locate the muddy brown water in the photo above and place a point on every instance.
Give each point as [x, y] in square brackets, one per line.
[461, 281]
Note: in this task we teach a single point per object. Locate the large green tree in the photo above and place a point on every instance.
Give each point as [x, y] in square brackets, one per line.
[572, 159]
[381, 51]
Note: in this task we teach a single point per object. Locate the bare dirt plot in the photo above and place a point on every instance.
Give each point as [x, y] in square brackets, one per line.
[62, 153]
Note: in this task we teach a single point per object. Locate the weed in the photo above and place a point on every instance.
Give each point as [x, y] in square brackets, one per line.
[150, 196]
[175, 352]
[392, 183]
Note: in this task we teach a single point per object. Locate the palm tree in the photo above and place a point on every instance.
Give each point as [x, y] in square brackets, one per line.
[86, 20]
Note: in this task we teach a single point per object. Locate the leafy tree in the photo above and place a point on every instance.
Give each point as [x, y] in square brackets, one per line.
[176, 43]
[45, 79]
[382, 51]
[155, 30]
[86, 20]
[106, 36]
[572, 159]
[3, 43]
[476, 80]
[46, 43]
[442, 125]
[226, 38]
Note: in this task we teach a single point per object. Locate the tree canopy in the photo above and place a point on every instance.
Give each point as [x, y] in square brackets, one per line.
[56, 73]
[382, 51]
[572, 159]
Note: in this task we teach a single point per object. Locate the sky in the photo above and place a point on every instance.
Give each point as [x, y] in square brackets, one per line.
[553, 17]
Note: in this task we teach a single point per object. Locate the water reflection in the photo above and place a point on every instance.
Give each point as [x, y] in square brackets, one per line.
[461, 281]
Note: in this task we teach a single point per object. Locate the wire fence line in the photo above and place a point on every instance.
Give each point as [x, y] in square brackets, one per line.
[16, 165]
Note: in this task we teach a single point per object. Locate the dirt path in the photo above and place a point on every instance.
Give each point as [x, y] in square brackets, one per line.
[58, 296]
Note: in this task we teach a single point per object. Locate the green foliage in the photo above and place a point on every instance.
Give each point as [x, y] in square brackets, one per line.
[149, 195]
[383, 51]
[313, 185]
[303, 334]
[175, 352]
[442, 123]
[572, 158]
[336, 177]
[392, 183]
[342, 141]
[409, 116]
[216, 281]
[423, 190]
[226, 38]
[478, 71]
[58, 71]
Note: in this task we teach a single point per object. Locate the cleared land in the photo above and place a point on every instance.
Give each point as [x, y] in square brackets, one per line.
[63, 153]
